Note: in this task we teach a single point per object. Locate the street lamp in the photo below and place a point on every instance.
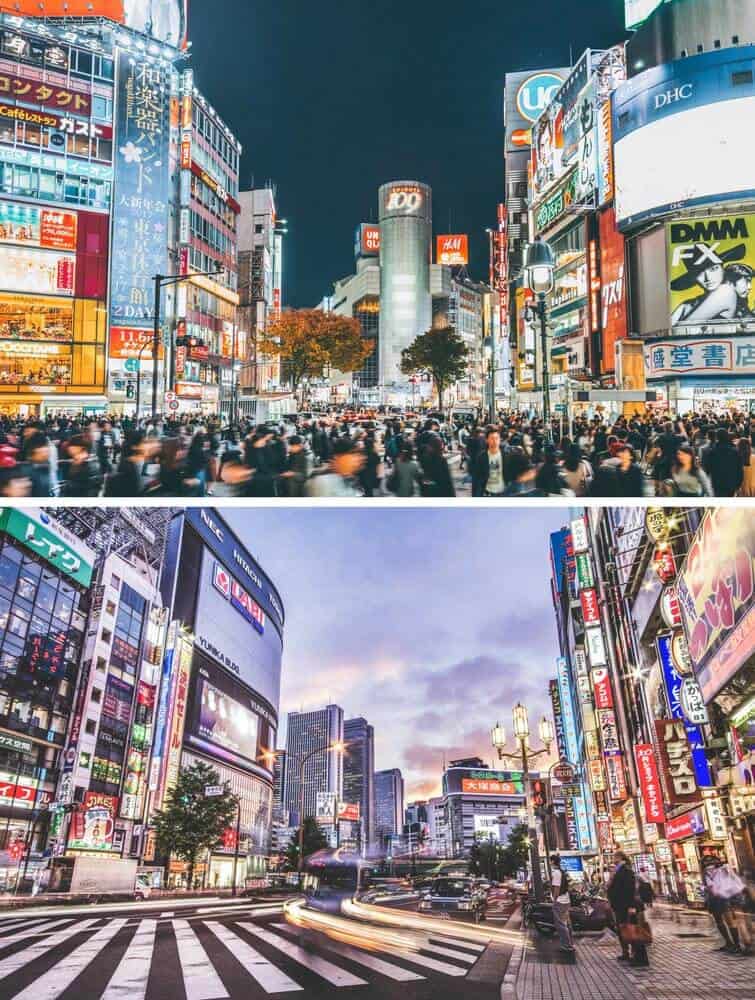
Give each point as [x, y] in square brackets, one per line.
[336, 747]
[539, 265]
[524, 754]
[161, 281]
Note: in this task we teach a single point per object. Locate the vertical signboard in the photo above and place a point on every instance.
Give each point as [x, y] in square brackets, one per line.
[142, 189]
[673, 683]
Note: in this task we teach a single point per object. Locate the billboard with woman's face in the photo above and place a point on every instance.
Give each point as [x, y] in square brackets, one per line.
[165, 20]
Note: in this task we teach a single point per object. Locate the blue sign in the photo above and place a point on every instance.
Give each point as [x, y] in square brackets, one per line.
[536, 93]
[575, 866]
[584, 840]
[673, 684]
[142, 189]
[131, 365]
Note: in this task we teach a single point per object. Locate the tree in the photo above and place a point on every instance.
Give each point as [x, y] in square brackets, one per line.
[310, 341]
[442, 353]
[515, 855]
[314, 841]
[190, 822]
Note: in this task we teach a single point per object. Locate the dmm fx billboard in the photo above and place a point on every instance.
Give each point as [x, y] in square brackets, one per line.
[711, 263]
[39, 533]
[716, 590]
[142, 189]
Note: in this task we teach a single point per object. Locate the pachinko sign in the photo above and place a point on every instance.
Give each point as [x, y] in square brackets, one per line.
[716, 591]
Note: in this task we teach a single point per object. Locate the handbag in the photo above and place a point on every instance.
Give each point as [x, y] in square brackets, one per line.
[636, 932]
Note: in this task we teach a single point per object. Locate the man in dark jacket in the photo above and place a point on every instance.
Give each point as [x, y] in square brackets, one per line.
[37, 466]
[724, 465]
[487, 470]
[625, 903]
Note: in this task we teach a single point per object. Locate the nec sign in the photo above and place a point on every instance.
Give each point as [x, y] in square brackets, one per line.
[243, 602]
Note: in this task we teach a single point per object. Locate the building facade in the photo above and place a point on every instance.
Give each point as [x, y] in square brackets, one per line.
[359, 775]
[480, 803]
[323, 771]
[389, 806]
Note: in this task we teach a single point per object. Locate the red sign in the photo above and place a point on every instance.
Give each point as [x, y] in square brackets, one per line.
[126, 342]
[21, 795]
[186, 154]
[650, 783]
[36, 92]
[453, 250]
[664, 564]
[145, 694]
[349, 811]
[602, 688]
[189, 390]
[691, 824]
[590, 607]
[605, 836]
[199, 352]
[370, 240]
[564, 771]
[58, 229]
[671, 611]
[614, 324]
[486, 786]
[521, 137]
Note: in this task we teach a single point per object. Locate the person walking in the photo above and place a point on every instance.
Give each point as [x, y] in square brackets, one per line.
[406, 475]
[562, 905]
[723, 464]
[627, 908]
[687, 478]
[722, 886]
[436, 476]
[487, 473]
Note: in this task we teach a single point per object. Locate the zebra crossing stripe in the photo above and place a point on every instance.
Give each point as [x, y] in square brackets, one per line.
[270, 978]
[458, 943]
[17, 925]
[60, 976]
[32, 932]
[130, 978]
[387, 969]
[460, 956]
[15, 962]
[332, 973]
[201, 981]
[423, 960]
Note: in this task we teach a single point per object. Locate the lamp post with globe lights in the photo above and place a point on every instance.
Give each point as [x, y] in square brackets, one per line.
[524, 754]
[539, 266]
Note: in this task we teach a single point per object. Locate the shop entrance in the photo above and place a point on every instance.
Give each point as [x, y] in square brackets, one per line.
[19, 411]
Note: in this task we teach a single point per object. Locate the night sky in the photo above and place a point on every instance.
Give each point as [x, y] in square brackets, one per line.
[331, 99]
[430, 623]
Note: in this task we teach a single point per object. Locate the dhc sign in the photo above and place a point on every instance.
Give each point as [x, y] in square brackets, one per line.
[536, 93]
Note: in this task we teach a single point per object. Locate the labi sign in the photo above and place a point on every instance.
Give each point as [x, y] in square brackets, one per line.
[51, 547]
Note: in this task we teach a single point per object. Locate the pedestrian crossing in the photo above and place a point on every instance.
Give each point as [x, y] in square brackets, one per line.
[211, 957]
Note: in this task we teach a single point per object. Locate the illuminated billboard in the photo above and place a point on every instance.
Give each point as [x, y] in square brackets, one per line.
[367, 242]
[526, 97]
[453, 250]
[679, 135]
[165, 20]
[27, 269]
[29, 226]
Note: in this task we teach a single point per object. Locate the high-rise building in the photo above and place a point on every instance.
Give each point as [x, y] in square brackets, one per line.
[279, 778]
[359, 774]
[405, 214]
[480, 803]
[323, 771]
[389, 805]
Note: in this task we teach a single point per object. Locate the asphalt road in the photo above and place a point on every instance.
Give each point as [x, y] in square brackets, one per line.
[230, 950]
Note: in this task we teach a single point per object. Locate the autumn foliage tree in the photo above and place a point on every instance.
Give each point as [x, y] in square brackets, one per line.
[310, 342]
[442, 353]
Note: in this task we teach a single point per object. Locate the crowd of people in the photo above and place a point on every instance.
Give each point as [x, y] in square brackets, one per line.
[332, 455]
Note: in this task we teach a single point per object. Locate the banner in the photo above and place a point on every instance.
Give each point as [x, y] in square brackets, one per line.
[142, 190]
[676, 762]
[453, 251]
[711, 263]
[673, 683]
[716, 589]
[92, 826]
[650, 783]
[602, 689]
[614, 323]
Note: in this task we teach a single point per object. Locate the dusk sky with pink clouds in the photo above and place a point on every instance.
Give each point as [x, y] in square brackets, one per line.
[430, 623]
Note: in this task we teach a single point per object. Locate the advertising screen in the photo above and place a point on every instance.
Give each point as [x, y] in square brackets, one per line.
[716, 591]
[228, 628]
[26, 269]
[614, 324]
[711, 263]
[93, 824]
[453, 250]
[527, 96]
[225, 722]
[367, 241]
[165, 20]
[679, 140]
[26, 225]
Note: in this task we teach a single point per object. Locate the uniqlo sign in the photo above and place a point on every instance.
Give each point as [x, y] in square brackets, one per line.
[590, 608]
[647, 768]
[676, 759]
[602, 688]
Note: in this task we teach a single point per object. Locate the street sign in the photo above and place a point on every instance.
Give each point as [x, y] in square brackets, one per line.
[131, 365]
[173, 404]
[211, 791]
[564, 772]
[573, 791]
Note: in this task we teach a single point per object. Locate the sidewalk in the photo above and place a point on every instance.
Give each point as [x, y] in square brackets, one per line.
[684, 965]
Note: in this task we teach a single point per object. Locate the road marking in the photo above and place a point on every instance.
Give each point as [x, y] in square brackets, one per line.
[130, 978]
[360, 957]
[460, 956]
[57, 979]
[332, 973]
[251, 910]
[16, 925]
[17, 961]
[168, 913]
[31, 932]
[201, 981]
[458, 943]
[270, 978]
[424, 960]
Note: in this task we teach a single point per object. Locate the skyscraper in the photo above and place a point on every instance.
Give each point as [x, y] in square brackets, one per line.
[323, 771]
[359, 773]
[389, 804]
[406, 223]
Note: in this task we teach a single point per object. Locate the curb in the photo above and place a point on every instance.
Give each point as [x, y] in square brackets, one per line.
[508, 986]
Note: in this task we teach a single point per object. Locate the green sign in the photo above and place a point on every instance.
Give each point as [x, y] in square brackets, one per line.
[47, 544]
[15, 743]
[584, 571]
[556, 204]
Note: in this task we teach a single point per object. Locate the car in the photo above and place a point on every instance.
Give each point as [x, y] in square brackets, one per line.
[454, 898]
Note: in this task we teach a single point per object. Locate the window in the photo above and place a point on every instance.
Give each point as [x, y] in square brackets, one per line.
[110, 608]
[107, 635]
[96, 695]
[91, 727]
[101, 663]
[741, 78]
